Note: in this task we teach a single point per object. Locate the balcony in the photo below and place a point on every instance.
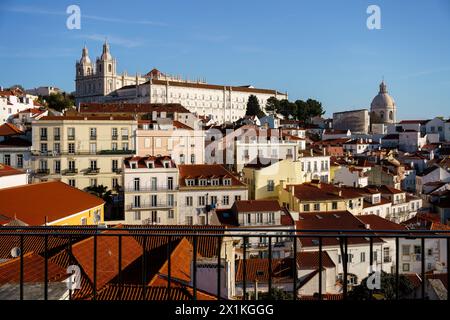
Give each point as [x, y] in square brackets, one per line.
[124, 137]
[59, 241]
[43, 138]
[158, 188]
[56, 138]
[152, 206]
[117, 170]
[114, 137]
[70, 172]
[70, 137]
[42, 172]
[93, 137]
[112, 152]
[92, 171]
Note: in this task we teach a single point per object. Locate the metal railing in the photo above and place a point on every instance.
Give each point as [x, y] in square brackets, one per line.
[55, 153]
[156, 188]
[207, 234]
[149, 205]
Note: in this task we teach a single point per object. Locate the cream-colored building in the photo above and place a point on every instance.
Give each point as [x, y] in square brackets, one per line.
[151, 190]
[82, 151]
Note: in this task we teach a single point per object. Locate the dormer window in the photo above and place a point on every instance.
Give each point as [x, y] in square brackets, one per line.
[227, 182]
[202, 182]
[133, 164]
[190, 182]
[150, 164]
[166, 164]
[215, 182]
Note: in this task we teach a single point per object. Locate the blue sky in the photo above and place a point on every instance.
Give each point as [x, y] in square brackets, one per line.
[319, 49]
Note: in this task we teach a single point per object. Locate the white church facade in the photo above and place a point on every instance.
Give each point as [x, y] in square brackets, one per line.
[100, 82]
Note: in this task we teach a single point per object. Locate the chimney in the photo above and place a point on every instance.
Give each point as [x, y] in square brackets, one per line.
[311, 152]
[367, 226]
[256, 289]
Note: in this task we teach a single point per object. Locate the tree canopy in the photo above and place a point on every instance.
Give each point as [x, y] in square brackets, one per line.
[58, 101]
[253, 107]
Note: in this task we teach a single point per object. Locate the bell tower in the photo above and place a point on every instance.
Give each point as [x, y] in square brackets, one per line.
[106, 70]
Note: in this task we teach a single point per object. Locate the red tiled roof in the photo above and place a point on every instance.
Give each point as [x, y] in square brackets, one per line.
[180, 125]
[379, 223]
[87, 117]
[258, 269]
[55, 200]
[310, 260]
[8, 129]
[8, 171]
[322, 191]
[196, 170]
[257, 205]
[332, 220]
[158, 161]
[33, 270]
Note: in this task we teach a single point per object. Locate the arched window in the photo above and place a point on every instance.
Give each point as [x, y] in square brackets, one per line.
[109, 67]
[100, 68]
[89, 71]
[382, 115]
[391, 115]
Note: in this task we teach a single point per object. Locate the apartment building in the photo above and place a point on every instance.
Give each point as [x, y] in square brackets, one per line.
[151, 190]
[204, 188]
[81, 150]
[315, 165]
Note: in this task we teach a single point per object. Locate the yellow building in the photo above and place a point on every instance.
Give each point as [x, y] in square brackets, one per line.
[265, 181]
[82, 150]
[50, 203]
[315, 197]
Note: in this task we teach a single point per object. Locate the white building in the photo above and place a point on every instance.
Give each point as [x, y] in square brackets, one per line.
[314, 165]
[151, 190]
[12, 102]
[204, 188]
[101, 82]
[350, 176]
[10, 177]
[436, 125]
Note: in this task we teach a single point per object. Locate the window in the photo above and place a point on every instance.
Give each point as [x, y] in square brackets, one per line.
[316, 206]
[259, 217]
[71, 133]
[71, 148]
[226, 200]
[430, 252]
[124, 146]
[19, 161]
[170, 214]
[44, 148]
[43, 133]
[181, 158]
[43, 165]
[115, 183]
[192, 158]
[124, 132]
[93, 164]
[405, 267]
[92, 148]
[137, 183]
[154, 200]
[189, 220]
[137, 215]
[72, 182]
[170, 183]
[137, 201]
[114, 146]
[7, 159]
[83, 221]
[170, 200]
[213, 199]
[154, 217]
[93, 182]
[386, 255]
[190, 182]
[114, 165]
[114, 133]
[227, 182]
[57, 148]
[189, 201]
[249, 218]
[417, 249]
[201, 200]
[334, 205]
[306, 207]
[270, 185]
[57, 166]
[271, 217]
[363, 257]
[92, 133]
[237, 198]
[375, 256]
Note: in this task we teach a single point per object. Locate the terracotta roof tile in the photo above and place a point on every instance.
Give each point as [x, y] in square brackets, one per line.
[8, 129]
[196, 170]
[8, 171]
[257, 205]
[40, 202]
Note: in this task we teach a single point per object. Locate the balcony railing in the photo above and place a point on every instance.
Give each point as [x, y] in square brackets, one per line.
[70, 137]
[50, 153]
[44, 138]
[56, 137]
[92, 171]
[70, 172]
[92, 137]
[50, 242]
[150, 205]
[124, 137]
[114, 137]
[117, 170]
[42, 171]
[158, 188]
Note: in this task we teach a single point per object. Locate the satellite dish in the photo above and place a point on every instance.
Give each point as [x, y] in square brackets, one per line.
[15, 252]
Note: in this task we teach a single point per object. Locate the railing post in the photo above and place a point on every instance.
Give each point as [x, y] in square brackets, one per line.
[70, 263]
[244, 270]
[320, 268]
[195, 266]
[422, 257]
[371, 264]
[397, 268]
[169, 266]
[448, 268]
[120, 266]
[95, 268]
[294, 268]
[345, 261]
[21, 266]
[46, 267]
[219, 267]
[270, 267]
[144, 268]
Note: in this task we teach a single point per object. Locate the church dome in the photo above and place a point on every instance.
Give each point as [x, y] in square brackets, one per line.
[382, 100]
[85, 56]
[106, 55]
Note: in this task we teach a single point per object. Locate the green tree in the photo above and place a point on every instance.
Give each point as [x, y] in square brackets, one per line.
[387, 290]
[308, 109]
[253, 107]
[273, 104]
[287, 108]
[276, 294]
[100, 191]
[59, 101]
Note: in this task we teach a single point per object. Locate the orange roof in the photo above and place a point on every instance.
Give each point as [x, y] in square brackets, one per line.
[33, 270]
[8, 171]
[8, 129]
[86, 117]
[55, 200]
[180, 125]
[196, 170]
[257, 205]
